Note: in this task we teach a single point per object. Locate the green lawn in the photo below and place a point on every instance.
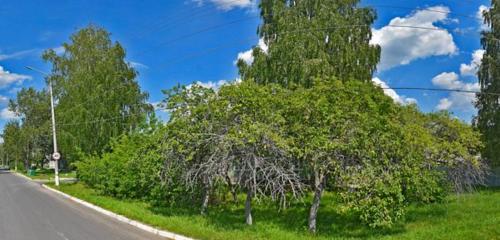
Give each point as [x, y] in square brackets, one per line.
[470, 216]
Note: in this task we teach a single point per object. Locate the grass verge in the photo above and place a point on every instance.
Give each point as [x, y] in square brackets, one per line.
[469, 216]
[48, 174]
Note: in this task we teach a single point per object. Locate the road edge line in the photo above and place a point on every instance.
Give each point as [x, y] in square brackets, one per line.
[120, 218]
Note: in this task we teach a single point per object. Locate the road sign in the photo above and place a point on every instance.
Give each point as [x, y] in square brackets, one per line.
[56, 156]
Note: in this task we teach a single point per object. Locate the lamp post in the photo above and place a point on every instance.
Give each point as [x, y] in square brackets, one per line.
[56, 155]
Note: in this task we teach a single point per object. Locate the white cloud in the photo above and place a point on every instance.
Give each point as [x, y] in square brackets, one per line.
[480, 18]
[460, 101]
[59, 50]
[215, 85]
[247, 56]
[227, 4]
[17, 55]
[6, 114]
[138, 65]
[472, 68]
[393, 94]
[4, 100]
[444, 104]
[7, 78]
[401, 45]
[448, 80]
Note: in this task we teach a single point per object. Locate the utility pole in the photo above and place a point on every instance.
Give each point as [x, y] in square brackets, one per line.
[56, 156]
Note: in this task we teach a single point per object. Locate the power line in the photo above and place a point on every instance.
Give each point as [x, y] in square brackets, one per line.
[211, 28]
[230, 44]
[383, 88]
[214, 8]
[207, 29]
[226, 45]
[161, 25]
[442, 90]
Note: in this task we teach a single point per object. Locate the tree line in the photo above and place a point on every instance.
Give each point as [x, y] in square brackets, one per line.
[304, 120]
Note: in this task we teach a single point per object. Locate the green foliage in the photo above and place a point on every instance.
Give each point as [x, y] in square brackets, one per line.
[97, 92]
[228, 138]
[306, 119]
[462, 217]
[377, 196]
[313, 38]
[12, 136]
[274, 143]
[29, 140]
[112, 174]
[459, 151]
[488, 104]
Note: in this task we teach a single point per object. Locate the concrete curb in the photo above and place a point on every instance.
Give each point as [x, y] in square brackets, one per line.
[120, 218]
[113, 215]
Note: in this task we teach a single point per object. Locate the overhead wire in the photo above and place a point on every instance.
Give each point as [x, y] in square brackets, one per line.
[174, 22]
[308, 30]
[213, 8]
[383, 88]
[232, 43]
[442, 90]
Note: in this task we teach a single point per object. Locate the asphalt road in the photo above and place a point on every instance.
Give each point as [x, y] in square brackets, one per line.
[30, 212]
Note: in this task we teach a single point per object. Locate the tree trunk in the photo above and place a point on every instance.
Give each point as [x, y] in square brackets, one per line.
[206, 199]
[232, 188]
[318, 191]
[248, 208]
[26, 161]
[234, 194]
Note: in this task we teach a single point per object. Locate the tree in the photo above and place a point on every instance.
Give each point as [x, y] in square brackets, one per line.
[97, 92]
[262, 159]
[200, 149]
[331, 125]
[313, 38]
[33, 108]
[230, 137]
[12, 136]
[459, 151]
[488, 101]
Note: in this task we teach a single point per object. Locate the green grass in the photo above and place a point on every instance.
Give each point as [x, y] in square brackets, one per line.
[470, 216]
[48, 174]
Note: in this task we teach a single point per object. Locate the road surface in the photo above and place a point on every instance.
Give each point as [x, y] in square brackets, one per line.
[30, 212]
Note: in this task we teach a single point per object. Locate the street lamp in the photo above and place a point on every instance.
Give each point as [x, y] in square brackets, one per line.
[56, 155]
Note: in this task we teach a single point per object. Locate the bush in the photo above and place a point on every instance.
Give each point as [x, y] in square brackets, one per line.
[113, 173]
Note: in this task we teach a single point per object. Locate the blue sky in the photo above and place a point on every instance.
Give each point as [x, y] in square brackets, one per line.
[160, 41]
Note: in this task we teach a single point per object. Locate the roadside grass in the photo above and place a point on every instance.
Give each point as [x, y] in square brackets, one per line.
[468, 216]
[49, 175]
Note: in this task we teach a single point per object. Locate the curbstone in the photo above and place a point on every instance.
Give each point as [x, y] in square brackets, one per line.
[120, 218]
